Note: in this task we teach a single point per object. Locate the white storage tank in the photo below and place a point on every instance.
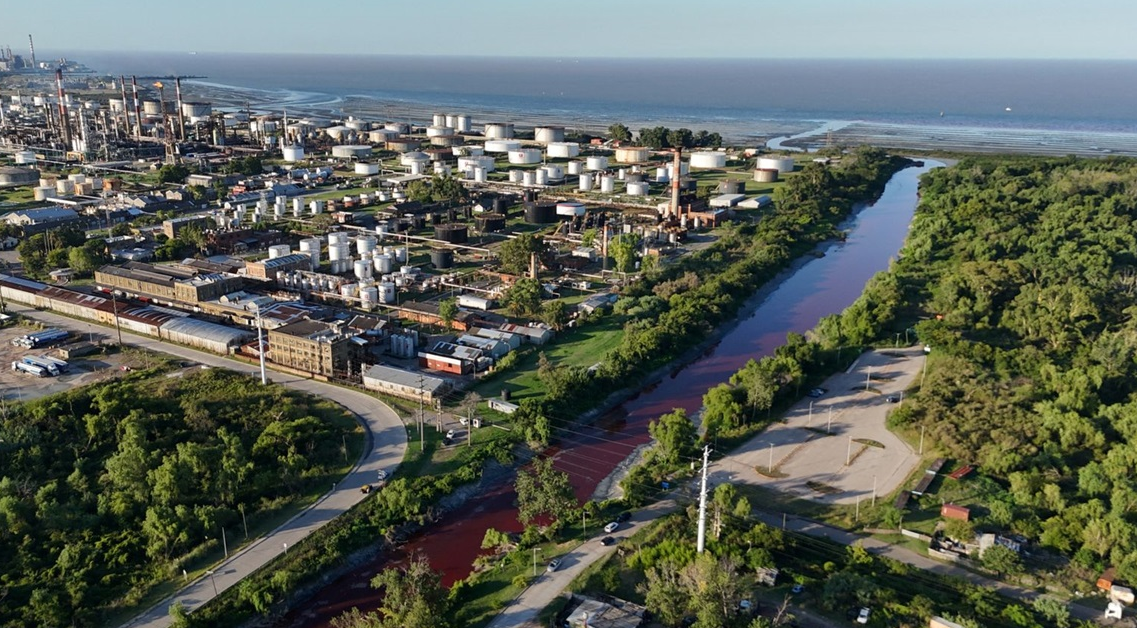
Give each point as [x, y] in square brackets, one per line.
[386, 292]
[350, 151]
[279, 250]
[338, 132]
[383, 263]
[549, 134]
[570, 208]
[317, 207]
[439, 131]
[418, 167]
[556, 173]
[501, 146]
[401, 254]
[575, 167]
[442, 169]
[42, 192]
[64, 186]
[408, 159]
[369, 295]
[528, 178]
[708, 159]
[596, 163]
[339, 237]
[349, 290]
[637, 188]
[365, 245]
[781, 164]
[462, 123]
[516, 176]
[607, 183]
[381, 136]
[499, 130]
[339, 251]
[541, 176]
[297, 207]
[631, 154]
[479, 175]
[468, 150]
[661, 175]
[400, 128]
[684, 169]
[311, 247]
[362, 269]
[479, 161]
[563, 150]
[357, 125]
[586, 182]
[364, 168]
[438, 119]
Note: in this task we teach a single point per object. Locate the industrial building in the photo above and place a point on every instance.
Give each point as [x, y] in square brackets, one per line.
[451, 358]
[274, 267]
[311, 346]
[174, 226]
[167, 283]
[404, 384]
[41, 219]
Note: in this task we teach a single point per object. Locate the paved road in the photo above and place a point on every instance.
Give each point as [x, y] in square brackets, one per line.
[386, 444]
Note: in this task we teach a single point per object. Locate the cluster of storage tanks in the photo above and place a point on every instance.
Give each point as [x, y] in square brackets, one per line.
[80, 184]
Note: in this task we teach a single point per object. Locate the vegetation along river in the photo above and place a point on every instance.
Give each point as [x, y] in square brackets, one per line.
[802, 296]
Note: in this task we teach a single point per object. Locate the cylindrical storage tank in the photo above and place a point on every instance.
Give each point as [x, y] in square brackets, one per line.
[418, 167]
[292, 153]
[637, 188]
[499, 130]
[439, 119]
[357, 125]
[369, 295]
[556, 173]
[381, 136]
[195, 109]
[401, 254]
[383, 263]
[634, 177]
[687, 184]
[349, 151]
[65, 186]
[446, 140]
[479, 175]
[586, 182]
[349, 289]
[525, 156]
[339, 252]
[402, 128]
[708, 159]
[490, 223]
[462, 123]
[365, 245]
[437, 131]
[661, 175]
[338, 131]
[317, 207]
[480, 161]
[364, 168]
[528, 178]
[42, 192]
[279, 250]
[631, 154]
[596, 163]
[468, 150]
[541, 177]
[297, 207]
[442, 169]
[781, 164]
[452, 233]
[549, 134]
[77, 178]
[515, 176]
[412, 157]
[501, 146]
[570, 208]
[152, 107]
[540, 213]
[575, 167]
[563, 150]
[607, 183]
[386, 292]
[766, 175]
[442, 258]
[116, 105]
[311, 247]
[731, 187]
[452, 121]
[362, 269]
[403, 144]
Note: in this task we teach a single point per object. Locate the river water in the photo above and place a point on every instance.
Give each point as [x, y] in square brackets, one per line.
[821, 286]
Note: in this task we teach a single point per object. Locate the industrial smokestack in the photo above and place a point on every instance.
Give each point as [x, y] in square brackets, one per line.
[125, 107]
[137, 110]
[181, 116]
[64, 124]
[32, 49]
[675, 176]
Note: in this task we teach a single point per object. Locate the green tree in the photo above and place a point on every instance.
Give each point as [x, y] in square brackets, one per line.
[496, 540]
[655, 137]
[681, 138]
[412, 597]
[555, 314]
[524, 298]
[664, 593]
[624, 250]
[675, 435]
[713, 589]
[619, 132]
[172, 173]
[447, 310]
[543, 491]
[1053, 610]
[533, 422]
[419, 190]
[721, 411]
[1001, 560]
[514, 254]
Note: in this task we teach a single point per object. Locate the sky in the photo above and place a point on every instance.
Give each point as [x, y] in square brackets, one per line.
[875, 29]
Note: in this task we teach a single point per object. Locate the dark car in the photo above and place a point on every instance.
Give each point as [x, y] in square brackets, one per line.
[624, 516]
[607, 541]
[817, 392]
[893, 399]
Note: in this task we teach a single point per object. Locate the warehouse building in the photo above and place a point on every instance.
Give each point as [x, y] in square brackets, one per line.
[271, 268]
[311, 346]
[167, 283]
[404, 384]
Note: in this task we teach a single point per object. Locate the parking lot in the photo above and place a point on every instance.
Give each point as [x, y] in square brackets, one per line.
[15, 385]
[835, 448]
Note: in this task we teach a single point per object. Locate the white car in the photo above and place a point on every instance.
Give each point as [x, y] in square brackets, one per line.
[450, 434]
[612, 527]
[863, 616]
[382, 474]
[553, 564]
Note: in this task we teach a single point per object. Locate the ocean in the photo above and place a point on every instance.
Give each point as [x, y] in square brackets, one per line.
[737, 97]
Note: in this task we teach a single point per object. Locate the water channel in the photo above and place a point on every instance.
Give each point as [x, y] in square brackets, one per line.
[824, 285]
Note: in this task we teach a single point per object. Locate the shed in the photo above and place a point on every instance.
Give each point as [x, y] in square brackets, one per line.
[403, 383]
[952, 511]
[727, 200]
[204, 335]
[503, 407]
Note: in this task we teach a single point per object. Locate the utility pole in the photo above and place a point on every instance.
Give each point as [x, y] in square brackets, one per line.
[469, 426]
[421, 418]
[702, 539]
[261, 347]
[114, 304]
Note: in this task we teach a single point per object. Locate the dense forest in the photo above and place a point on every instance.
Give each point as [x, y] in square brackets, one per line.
[1024, 273]
[111, 489]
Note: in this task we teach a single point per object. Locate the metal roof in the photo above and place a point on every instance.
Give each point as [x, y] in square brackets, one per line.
[409, 379]
[205, 330]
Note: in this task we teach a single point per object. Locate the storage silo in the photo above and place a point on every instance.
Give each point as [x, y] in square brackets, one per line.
[438, 131]
[452, 233]
[364, 168]
[575, 167]
[349, 290]
[731, 187]
[597, 162]
[362, 269]
[279, 250]
[570, 209]
[446, 141]
[339, 256]
[442, 258]
[708, 159]
[499, 130]
[64, 187]
[490, 223]
[549, 134]
[540, 213]
[766, 175]
[586, 182]
[781, 164]
[528, 179]
[403, 144]
[381, 136]
[297, 207]
[541, 177]
[317, 206]
[634, 177]
[516, 176]
[387, 292]
[556, 173]
[369, 296]
[402, 128]
[637, 188]
[383, 263]
[501, 146]
[311, 247]
[479, 175]
[631, 154]
[365, 245]
[357, 125]
[470, 150]
[462, 123]
[42, 192]
[351, 151]
[525, 156]
[409, 159]
[562, 150]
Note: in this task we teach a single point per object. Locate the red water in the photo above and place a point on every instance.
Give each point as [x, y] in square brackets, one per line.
[588, 454]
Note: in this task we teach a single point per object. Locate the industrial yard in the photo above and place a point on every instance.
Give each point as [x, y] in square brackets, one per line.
[86, 369]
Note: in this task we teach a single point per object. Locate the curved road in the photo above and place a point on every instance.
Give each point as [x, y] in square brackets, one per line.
[386, 444]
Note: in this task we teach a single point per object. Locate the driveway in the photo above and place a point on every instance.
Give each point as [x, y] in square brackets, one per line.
[386, 444]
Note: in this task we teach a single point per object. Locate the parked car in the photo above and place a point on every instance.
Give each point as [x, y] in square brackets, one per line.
[863, 616]
[450, 434]
[553, 564]
[606, 541]
[624, 516]
[612, 527]
[798, 588]
[817, 392]
[893, 399]
[382, 474]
